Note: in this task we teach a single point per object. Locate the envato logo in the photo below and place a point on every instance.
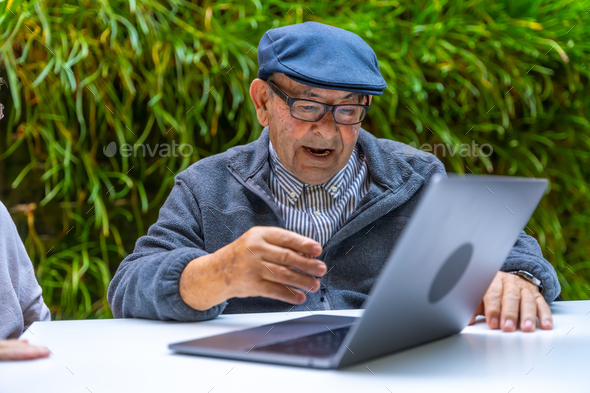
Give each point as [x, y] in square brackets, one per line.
[163, 150]
[463, 149]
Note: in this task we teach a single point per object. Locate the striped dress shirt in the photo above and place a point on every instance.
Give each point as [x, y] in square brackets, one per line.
[318, 211]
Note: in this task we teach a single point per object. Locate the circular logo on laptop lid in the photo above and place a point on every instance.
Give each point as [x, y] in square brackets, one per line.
[450, 273]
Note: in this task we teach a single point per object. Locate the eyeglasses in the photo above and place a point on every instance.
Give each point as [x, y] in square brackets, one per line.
[313, 111]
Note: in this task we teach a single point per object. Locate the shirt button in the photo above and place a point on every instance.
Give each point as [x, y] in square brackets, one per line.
[334, 189]
[317, 213]
[293, 195]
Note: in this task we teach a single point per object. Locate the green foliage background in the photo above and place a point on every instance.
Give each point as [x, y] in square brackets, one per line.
[83, 74]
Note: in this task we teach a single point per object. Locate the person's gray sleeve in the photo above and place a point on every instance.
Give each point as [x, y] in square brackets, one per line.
[146, 284]
[526, 255]
[21, 299]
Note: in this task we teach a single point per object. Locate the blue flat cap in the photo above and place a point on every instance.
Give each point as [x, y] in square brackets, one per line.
[321, 56]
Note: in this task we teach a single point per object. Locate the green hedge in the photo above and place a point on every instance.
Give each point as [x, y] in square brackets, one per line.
[83, 74]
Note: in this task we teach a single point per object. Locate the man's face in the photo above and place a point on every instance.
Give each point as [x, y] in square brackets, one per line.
[290, 136]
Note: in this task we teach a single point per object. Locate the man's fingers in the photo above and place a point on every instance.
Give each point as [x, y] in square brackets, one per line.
[511, 295]
[493, 302]
[544, 312]
[528, 311]
[284, 275]
[289, 239]
[280, 292]
[290, 258]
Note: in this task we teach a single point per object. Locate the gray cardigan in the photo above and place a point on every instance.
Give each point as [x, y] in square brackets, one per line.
[218, 198]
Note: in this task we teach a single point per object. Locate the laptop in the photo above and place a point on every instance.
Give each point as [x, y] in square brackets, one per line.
[460, 234]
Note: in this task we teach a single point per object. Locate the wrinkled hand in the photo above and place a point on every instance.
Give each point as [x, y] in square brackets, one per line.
[264, 261]
[261, 263]
[510, 297]
[21, 350]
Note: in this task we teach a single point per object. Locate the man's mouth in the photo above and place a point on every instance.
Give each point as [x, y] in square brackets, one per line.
[321, 152]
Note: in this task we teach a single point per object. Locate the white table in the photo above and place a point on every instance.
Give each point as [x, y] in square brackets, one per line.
[126, 355]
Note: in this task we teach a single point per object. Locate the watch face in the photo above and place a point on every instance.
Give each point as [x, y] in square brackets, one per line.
[526, 274]
[529, 277]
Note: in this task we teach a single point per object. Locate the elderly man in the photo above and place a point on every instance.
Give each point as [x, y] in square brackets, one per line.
[305, 217]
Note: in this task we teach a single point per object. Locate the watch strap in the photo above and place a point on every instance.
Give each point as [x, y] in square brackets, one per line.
[529, 277]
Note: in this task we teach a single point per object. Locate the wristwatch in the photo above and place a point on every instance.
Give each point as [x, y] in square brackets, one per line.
[529, 277]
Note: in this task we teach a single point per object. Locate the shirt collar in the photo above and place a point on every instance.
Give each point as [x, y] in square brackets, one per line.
[293, 187]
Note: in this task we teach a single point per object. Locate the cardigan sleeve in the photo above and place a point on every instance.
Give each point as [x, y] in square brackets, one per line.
[21, 300]
[146, 284]
[526, 255]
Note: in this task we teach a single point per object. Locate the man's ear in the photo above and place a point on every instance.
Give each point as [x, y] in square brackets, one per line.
[260, 98]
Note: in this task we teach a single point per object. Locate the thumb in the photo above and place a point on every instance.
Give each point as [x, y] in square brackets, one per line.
[478, 311]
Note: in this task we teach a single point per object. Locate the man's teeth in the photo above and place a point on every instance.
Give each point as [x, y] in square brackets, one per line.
[325, 153]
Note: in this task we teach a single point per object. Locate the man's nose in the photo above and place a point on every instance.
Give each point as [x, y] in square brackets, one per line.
[326, 125]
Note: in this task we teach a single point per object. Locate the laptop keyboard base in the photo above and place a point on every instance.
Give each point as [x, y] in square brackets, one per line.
[323, 344]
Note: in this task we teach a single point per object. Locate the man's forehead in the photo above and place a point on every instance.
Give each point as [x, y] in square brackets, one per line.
[313, 92]
[308, 92]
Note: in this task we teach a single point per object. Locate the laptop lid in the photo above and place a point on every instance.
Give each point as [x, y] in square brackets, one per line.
[458, 238]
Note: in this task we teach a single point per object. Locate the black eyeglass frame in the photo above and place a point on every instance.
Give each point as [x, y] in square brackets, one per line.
[332, 108]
